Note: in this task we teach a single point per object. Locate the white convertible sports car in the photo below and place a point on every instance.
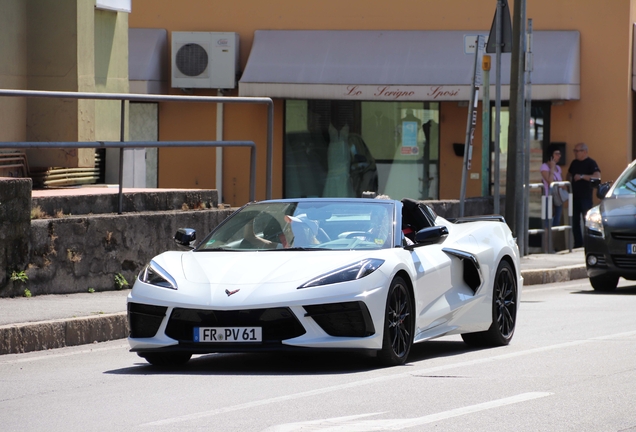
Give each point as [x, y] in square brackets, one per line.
[342, 274]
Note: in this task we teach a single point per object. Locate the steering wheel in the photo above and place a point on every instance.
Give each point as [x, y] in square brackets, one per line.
[360, 235]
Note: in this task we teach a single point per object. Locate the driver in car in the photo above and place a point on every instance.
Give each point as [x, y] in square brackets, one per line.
[298, 232]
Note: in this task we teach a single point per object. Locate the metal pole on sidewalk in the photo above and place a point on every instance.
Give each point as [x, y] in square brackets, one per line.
[497, 169]
[485, 129]
[526, 128]
[515, 174]
[472, 120]
[122, 136]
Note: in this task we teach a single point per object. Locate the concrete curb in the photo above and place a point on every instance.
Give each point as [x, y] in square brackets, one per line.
[37, 336]
[561, 274]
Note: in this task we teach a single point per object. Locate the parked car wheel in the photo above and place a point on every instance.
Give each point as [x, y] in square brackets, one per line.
[604, 283]
[504, 311]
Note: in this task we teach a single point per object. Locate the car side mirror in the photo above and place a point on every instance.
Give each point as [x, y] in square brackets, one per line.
[602, 190]
[429, 235]
[185, 237]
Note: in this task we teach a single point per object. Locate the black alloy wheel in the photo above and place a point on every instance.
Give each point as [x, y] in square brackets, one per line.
[398, 324]
[504, 311]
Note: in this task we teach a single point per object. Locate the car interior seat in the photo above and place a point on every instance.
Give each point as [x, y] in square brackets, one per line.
[416, 216]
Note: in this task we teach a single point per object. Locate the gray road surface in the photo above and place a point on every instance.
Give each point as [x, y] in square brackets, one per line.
[571, 367]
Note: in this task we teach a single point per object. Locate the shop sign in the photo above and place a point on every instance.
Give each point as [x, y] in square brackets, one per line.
[398, 93]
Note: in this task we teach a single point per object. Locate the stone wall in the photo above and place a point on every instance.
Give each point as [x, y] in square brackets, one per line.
[131, 202]
[76, 253]
[15, 224]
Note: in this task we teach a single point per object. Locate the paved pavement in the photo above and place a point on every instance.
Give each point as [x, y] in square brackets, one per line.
[54, 321]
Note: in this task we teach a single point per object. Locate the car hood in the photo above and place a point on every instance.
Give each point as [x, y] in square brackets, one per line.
[243, 268]
[618, 207]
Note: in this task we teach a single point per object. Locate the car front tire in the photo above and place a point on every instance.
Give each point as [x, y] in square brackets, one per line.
[604, 283]
[504, 311]
[166, 359]
[398, 324]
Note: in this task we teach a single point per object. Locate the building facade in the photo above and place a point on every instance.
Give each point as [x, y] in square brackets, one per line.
[66, 45]
[367, 95]
[393, 76]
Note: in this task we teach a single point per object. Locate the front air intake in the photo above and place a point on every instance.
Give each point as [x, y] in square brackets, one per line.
[144, 320]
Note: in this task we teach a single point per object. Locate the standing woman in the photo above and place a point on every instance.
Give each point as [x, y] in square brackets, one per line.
[551, 172]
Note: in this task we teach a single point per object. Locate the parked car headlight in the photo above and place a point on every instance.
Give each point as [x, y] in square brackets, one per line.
[345, 274]
[594, 221]
[154, 274]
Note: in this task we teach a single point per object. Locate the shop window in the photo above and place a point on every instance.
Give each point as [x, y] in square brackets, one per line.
[539, 136]
[343, 148]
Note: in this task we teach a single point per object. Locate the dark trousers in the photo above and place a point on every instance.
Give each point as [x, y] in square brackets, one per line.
[580, 207]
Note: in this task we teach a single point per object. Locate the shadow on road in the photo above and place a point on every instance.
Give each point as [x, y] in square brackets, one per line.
[314, 363]
[621, 290]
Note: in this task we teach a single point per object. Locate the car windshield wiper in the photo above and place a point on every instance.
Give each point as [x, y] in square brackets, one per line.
[220, 249]
[298, 248]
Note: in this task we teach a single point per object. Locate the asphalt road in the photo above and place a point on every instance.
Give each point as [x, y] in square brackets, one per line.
[571, 367]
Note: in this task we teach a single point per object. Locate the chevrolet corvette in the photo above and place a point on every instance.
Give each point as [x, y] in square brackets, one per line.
[336, 274]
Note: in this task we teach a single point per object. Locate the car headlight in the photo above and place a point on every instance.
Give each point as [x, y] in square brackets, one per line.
[154, 274]
[594, 221]
[345, 274]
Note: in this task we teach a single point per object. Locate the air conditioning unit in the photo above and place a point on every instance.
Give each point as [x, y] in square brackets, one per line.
[204, 59]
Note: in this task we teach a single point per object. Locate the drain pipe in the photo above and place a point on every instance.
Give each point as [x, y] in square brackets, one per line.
[219, 150]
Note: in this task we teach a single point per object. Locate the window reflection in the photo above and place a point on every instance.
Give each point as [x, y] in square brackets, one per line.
[343, 148]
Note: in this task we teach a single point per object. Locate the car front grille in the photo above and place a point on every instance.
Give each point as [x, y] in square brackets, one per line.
[624, 236]
[625, 261]
[277, 324]
[350, 319]
[144, 320]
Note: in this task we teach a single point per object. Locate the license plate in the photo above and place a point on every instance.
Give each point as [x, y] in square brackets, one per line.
[631, 249]
[228, 334]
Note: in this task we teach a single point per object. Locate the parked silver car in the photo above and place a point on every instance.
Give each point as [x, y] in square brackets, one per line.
[610, 233]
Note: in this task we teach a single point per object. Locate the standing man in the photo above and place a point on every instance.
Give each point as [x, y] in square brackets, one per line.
[582, 171]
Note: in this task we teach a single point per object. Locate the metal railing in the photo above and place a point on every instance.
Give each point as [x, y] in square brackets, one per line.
[547, 216]
[534, 186]
[141, 144]
[123, 97]
[568, 228]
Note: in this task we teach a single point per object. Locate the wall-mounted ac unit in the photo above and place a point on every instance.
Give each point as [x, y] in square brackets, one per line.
[204, 59]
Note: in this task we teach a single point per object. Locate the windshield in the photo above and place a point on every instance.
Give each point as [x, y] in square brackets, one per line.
[306, 225]
[625, 186]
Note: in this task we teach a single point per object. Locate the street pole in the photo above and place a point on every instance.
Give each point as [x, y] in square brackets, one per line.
[528, 115]
[485, 129]
[515, 173]
[472, 120]
[498, 42]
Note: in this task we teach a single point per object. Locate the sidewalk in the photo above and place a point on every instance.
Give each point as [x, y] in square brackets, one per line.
[55, 321]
